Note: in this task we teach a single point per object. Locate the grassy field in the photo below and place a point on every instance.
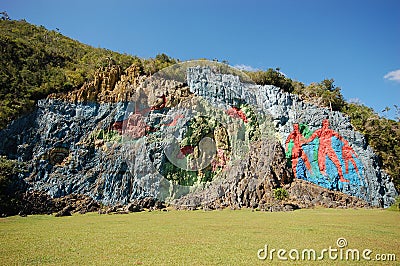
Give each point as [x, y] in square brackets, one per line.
[193, 237]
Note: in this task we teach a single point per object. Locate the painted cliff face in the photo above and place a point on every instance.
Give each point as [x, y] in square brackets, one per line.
[177, 132]
[324, 149]
[196, 140]
[323, 157]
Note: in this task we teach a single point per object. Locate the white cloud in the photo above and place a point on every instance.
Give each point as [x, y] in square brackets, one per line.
[355, 101]
[246, 68]
[393, 75]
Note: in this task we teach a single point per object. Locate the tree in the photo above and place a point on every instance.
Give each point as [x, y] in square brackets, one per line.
[327, 84]
[11, 187]
[271, 77]
[4, 16]
[324, 93]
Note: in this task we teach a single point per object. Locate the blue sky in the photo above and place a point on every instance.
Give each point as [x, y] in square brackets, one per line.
[355, 42]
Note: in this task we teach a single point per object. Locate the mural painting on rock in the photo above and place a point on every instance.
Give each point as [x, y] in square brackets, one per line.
[324, 157]
[190, 129]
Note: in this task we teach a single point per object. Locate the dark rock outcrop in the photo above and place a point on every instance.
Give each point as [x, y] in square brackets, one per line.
[247, 183]
[306, 195]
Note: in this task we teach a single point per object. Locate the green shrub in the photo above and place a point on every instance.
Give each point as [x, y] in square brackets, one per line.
[280, 193]
[11, 187]
[271, 77]
[396, 205]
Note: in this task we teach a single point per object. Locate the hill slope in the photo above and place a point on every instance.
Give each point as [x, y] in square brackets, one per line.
[36, 62]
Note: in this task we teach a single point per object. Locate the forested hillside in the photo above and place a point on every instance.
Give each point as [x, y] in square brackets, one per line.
[36, 62]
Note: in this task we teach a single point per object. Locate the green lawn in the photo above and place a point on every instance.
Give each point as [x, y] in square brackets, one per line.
[193, 237]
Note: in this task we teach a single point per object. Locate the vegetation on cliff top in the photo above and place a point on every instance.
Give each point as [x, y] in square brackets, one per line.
[36, 62]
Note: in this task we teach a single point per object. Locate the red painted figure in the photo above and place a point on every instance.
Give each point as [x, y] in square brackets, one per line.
[187, 150]
[134, 126]
[237, 113]
[175, 121]
[325, 135]
[297, 151]
[347, 154]
[117, 126]
[220, 160]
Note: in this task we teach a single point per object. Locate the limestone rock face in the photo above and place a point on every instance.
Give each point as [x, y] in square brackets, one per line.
[247, 183]
[77, 146]
[58, 125]
[210, 141]
[251, 182]
[333, 156]
[109, 85]
[306, 195]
